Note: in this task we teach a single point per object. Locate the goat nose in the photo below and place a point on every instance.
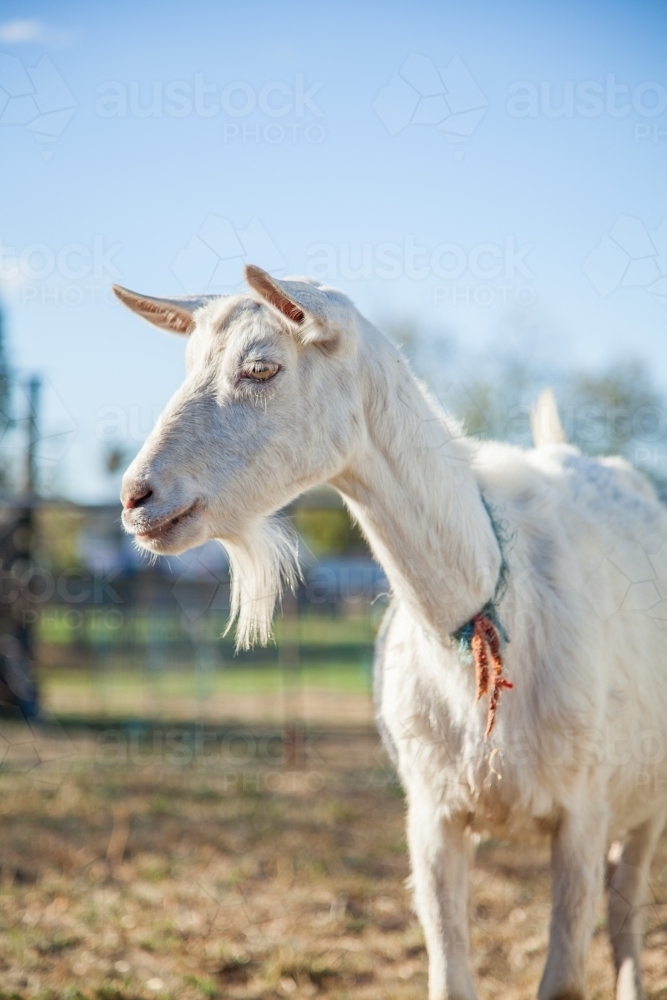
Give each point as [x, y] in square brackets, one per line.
[136, 497]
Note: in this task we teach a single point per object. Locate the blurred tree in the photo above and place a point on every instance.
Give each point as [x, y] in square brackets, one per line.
[618, 411]
[329, 531]
[498, 408]
[5, 406]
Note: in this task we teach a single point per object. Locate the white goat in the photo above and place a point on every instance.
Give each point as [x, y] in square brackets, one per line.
[289, 387]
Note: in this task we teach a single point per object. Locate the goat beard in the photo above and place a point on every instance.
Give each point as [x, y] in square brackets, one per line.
[261, 562]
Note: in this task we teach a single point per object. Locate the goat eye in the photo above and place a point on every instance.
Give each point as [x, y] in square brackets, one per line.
[260, 371]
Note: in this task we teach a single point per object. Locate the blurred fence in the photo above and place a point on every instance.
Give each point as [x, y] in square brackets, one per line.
[114, 637]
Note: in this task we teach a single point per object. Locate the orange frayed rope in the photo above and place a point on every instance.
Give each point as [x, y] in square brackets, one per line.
[485, 646]
[481, 637]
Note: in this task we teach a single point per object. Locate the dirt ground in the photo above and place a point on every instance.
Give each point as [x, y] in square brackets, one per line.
[194, 865]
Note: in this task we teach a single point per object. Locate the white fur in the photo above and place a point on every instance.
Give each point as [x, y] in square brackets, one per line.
[579, 748]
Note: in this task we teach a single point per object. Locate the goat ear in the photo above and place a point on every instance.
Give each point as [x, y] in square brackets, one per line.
[175, 315]
[274, 292]
[319, 314]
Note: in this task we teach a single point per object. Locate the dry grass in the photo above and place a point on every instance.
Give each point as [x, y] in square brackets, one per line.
[259, 695]
[126, 875]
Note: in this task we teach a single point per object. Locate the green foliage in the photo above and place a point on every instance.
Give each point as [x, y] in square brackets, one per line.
[328, 531]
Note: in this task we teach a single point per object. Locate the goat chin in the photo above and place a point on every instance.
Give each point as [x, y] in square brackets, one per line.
[187, 532]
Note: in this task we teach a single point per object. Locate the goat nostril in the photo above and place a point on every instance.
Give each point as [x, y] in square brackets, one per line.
[138, 501]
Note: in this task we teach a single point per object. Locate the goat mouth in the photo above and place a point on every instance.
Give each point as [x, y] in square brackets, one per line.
[160, 529]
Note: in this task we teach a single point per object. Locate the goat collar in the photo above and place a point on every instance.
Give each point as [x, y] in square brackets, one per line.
[482, 637]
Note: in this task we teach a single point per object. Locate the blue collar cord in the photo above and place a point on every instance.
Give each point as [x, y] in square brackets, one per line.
[463, 635]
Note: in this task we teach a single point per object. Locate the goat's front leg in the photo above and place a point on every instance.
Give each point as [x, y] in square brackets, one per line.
[440, 856]
[628, 887]
[577, 864]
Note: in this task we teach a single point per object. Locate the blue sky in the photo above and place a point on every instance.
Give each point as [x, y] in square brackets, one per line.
[169, 144]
